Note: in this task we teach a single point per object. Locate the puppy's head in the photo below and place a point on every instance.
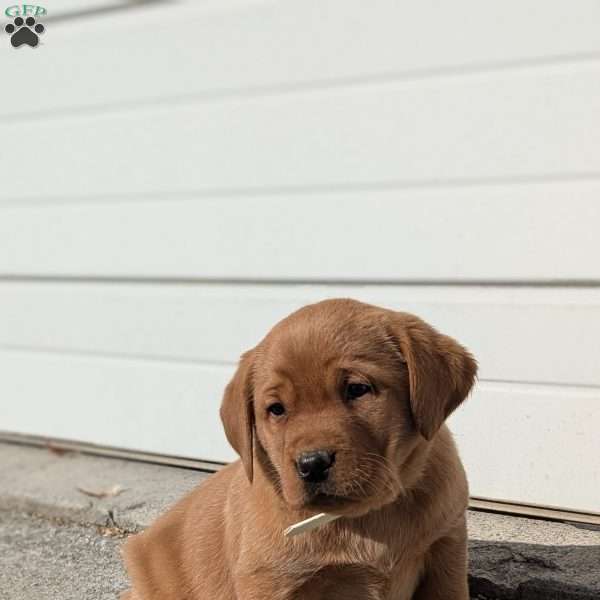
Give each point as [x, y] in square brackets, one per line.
[337, 398]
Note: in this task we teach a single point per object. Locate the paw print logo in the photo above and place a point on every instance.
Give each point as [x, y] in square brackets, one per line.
[24, 32]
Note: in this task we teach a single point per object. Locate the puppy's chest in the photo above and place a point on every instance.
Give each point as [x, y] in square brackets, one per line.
[353, 566]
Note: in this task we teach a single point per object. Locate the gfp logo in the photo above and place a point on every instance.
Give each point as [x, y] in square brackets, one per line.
[25, 10]
[24, 29]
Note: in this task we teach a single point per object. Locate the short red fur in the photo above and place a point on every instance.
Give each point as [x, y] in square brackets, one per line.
[395, 476]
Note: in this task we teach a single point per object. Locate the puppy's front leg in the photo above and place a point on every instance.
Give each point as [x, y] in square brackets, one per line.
[446, 575]
[258, 586]
[275, 586]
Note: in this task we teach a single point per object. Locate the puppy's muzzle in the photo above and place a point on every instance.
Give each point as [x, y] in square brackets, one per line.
[315, 466]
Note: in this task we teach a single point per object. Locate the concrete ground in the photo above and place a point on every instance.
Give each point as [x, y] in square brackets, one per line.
[64, 516]
[46, 559]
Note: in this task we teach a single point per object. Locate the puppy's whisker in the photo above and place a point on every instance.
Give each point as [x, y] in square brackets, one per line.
[384, 463]
[364, 482]
[387, 475]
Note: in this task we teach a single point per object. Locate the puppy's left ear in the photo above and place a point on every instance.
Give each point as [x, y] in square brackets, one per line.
[441, 372]
[237, 412]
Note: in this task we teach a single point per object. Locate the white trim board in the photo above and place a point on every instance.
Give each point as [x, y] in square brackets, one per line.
[544, 335]
[506, 125]
[521, 233]
[242, 46]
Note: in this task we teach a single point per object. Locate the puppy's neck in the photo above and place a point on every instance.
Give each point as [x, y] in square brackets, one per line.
[413, 465]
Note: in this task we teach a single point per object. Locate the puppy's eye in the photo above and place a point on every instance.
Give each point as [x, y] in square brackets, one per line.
[276, 409]
[356, 390]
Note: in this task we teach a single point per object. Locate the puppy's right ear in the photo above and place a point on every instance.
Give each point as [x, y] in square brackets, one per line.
[237, 413]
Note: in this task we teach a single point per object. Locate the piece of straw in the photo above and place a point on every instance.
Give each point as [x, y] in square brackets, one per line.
[309, 524]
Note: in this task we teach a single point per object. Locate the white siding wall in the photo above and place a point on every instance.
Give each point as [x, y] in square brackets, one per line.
[176, 177]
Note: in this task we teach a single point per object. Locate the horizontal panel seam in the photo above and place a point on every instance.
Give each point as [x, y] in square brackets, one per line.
[229, 365]
[313, 86]
[290, 282]
[332, 188]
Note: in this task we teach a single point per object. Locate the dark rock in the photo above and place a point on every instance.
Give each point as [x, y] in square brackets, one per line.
[513, 571]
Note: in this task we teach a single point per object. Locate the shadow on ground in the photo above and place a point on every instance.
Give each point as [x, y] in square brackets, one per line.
[513, 571]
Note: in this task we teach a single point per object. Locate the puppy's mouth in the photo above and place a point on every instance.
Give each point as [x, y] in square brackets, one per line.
[325, 501]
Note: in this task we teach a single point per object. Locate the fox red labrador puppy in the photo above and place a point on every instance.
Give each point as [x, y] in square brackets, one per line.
[339, 409]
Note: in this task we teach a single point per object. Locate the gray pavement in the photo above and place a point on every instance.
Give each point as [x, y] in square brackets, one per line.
[43, 481]
[62, 515]
[42, 559]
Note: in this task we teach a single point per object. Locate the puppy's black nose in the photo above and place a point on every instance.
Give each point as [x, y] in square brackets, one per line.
[314, 466]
